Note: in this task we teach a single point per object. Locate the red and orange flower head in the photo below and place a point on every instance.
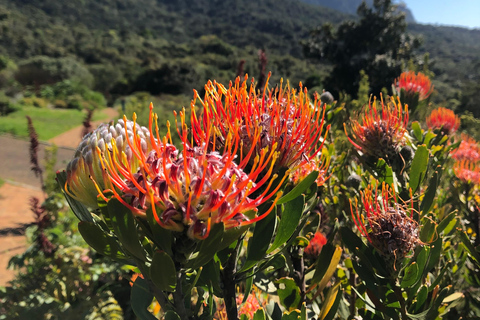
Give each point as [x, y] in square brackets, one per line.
[281, 119]
[467, 171]
[443, 119]
[413, 83]
[312, 251]
[468, 149]
[191, 188]
[386, 224]
[381, 132]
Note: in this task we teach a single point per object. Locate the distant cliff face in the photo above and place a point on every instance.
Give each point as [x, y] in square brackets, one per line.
[350, 6]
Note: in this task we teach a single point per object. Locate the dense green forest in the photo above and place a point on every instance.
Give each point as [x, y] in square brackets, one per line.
[119, 47]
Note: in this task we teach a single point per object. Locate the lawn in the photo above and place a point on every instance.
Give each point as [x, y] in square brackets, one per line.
[47, 122]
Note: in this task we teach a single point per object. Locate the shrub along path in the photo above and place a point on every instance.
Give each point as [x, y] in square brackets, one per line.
[21, 184]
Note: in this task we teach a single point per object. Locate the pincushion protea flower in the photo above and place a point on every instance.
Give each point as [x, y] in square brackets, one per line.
[443, 119]
[414, 83]
[192, 188]
[315, 246]
[319, 164]
[390, 228]
[468, 149]
[86, 165]
[467, 171]
[280, 119]
[381, 132]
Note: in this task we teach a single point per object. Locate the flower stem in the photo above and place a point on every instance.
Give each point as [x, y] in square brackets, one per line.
[228, 280]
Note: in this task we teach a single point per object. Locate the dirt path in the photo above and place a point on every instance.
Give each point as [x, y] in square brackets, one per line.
[21, 184]
[72, 137]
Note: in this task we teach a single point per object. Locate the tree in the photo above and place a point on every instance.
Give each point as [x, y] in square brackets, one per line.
[376, 43]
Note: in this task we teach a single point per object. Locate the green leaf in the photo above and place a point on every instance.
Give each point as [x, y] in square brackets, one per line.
[330, 305]
[431, 191]
[332, 267]
[435, 252]
[384, 172]
[259, 314]
[422, 296]
[80, 211]
[418, 167]
[100, 241]
[417, 131]
[288, 292]
[299, 188]
[428, 233]
[125, 228]
[446, 221]
[259, 242]
[140, 299]
[171, 315]
[469, 246]
[292, 315]
[163, 272]
[322, 262]
[290, 217]
[162, 237]
[410, 276]
[209, 247]
[428, 138]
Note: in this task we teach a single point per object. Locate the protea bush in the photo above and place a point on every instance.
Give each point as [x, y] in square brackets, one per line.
[276, 205]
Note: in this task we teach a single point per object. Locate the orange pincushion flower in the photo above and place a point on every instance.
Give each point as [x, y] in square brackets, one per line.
[191, 188]
[390, 228]
[414, 83]
[280, 120]
[468, 149]
[467, 171]
[382, 132]
[315, 246]
[443, 119]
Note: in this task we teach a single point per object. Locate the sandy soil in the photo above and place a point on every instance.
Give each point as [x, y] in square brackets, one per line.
[14, 215]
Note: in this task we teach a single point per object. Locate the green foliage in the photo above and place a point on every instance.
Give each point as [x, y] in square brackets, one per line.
[40, 70]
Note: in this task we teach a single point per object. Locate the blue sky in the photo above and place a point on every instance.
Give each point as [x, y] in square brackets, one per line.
[447, 12]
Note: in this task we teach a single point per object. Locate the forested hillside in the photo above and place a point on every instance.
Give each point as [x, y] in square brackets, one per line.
[172, 46]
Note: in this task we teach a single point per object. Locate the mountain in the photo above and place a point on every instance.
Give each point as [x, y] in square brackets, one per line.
[136, 44]
[350, 6]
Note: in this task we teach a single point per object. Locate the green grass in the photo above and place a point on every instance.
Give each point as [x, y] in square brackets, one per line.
[1, 182]
[48, 123]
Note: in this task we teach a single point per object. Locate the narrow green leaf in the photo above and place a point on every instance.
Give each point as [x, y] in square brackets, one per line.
[431, 191]
[333, 265]
[171, 315]
[125, 228]
[469, 246]
[322, 262]
[163, 272]
[101, 242]
[330, 305]
[417, 131]
[290, 216]
[80, 211]
[162, 237]
[422, 296]
[446, 221]
[410, 276]
[435, 252]
[140, 299]
[288, 292]
[418, 167]
[299, 188]
[428, 233]
[259, 242]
